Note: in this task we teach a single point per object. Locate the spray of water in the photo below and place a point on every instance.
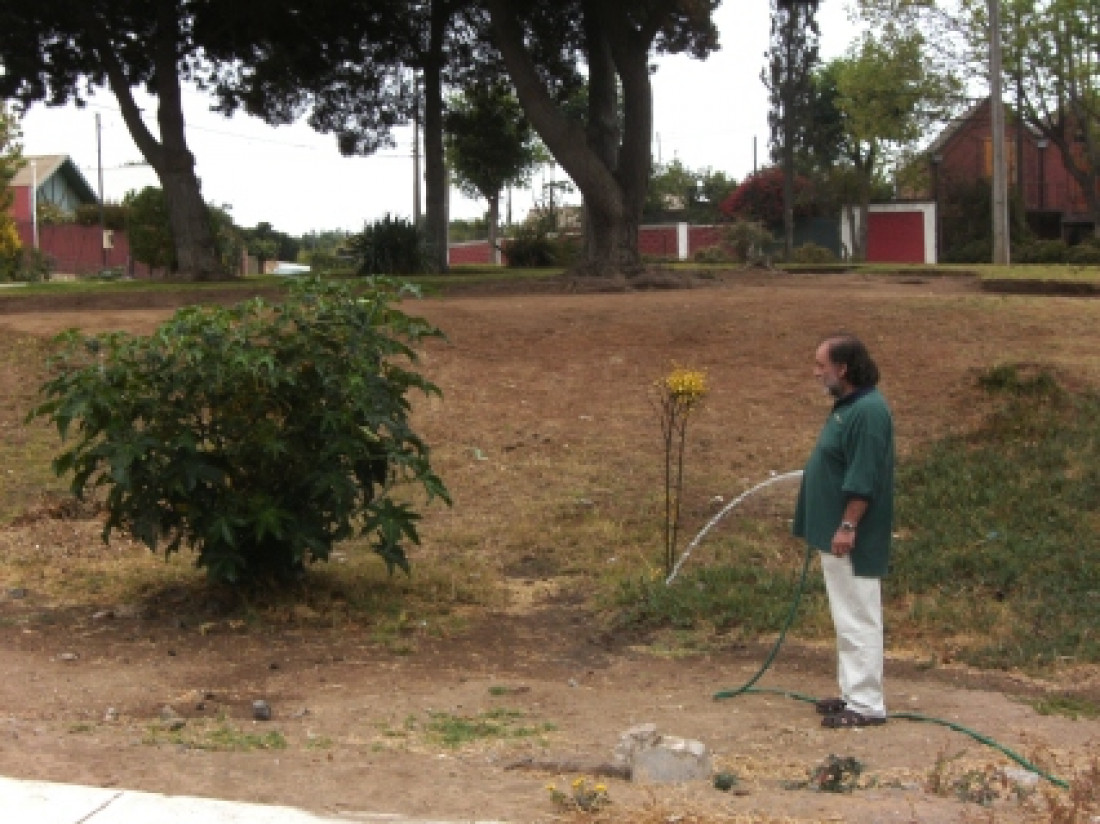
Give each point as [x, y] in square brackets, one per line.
[722, 514]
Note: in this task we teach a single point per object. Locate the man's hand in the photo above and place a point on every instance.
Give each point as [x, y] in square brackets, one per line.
[844, 541]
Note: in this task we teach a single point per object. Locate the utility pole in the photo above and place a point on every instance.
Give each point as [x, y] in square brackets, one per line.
[997, 119]
[99, 164]
[416, 151]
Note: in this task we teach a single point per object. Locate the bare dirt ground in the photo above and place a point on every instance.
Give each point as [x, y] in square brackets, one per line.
[533, 381]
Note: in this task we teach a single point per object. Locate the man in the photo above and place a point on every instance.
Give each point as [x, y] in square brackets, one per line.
[845, 509]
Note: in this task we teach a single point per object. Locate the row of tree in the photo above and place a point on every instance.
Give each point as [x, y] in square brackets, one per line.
[579, 69]
[851, 121]
[357, 69]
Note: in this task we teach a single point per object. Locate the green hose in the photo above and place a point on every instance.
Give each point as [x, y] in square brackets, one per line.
[748, 687]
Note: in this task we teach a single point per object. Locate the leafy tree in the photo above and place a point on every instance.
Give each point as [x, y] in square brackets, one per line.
[1052, 48]
[491, 145]
[256, 435]
[265, 243]
[326, 251]
[150, 233]
[264, 57]
[53, 51]
[888, 94]
[789, 78]
[760, 198]
[676, 192]
[229, 241]
[609, 161]
[11, 160]
[713, 188]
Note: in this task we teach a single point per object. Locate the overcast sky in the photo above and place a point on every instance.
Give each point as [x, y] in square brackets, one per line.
[706, 113]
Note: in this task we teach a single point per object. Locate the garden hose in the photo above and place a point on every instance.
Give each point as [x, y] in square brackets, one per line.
[748, 687]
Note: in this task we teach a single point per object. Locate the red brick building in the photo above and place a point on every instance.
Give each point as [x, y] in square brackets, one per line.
[74, 249]
[1053, 201]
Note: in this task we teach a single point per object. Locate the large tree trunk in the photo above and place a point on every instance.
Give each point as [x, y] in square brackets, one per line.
[612, 174]
[196, 256]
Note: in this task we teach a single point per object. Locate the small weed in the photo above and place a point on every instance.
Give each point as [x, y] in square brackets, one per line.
[836, 775]
[977, 786]
[80, 727]
[580, 796]
[318, 742]
[982, 784]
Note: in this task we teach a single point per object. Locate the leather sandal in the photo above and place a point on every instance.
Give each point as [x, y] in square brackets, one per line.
[851, 718]
[830, 706]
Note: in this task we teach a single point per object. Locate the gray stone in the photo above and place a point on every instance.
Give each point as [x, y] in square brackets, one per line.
[672, 760]
[636, 738]
[261, 710]
[659, 759]
[170, 720]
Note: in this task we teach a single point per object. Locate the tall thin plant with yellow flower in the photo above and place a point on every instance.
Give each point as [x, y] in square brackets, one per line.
[679, 394]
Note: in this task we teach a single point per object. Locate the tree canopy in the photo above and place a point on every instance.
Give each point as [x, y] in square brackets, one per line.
[542, 43]
[1051, 59]
[11, 160]
[676, 192]
[888, 93]
[275, 60]
[490, 144]
[793, 56]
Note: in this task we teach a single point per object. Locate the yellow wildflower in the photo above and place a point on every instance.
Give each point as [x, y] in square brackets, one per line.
[687, 385]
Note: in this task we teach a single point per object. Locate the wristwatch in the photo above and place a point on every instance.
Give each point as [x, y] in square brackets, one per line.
[847, 526]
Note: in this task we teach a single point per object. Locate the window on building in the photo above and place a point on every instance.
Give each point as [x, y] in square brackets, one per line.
[1010, 158]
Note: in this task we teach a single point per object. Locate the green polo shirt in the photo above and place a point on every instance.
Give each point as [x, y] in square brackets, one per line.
[854, 457]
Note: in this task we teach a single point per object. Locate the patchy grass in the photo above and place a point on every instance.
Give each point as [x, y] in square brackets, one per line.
[26, 450]
[998, 535]
[220, 736]
[1001, 529]
[500, 723]
[1065, 705]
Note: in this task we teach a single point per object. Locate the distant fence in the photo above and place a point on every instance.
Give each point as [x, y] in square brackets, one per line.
[79, 250]
[672, 241]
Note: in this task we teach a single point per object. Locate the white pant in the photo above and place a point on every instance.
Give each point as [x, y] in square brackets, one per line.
[856, 607]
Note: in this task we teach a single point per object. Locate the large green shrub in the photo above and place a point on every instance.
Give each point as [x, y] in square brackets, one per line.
[390, 246]
[1085, 253]
[749, 240]
[813, 253]
[257, 435]
[151, 239]
[1040, 251]
[532, 247]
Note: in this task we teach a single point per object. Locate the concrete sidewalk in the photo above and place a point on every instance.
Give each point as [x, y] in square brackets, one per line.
[43, 802]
